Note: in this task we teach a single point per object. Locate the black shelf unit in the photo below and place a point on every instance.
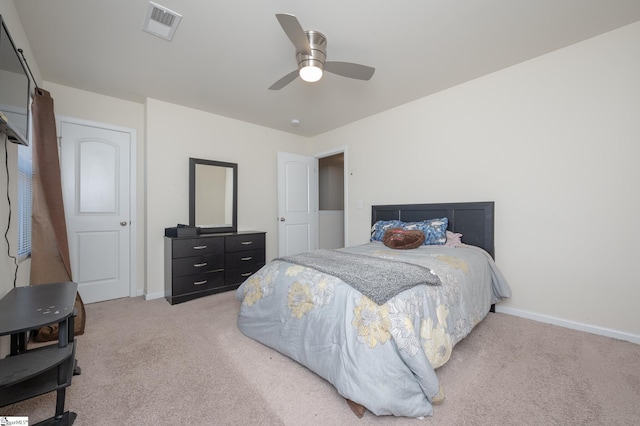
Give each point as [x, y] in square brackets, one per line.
[27, 373]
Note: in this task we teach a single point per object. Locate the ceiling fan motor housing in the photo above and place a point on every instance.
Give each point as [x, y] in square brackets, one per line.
[318, 53]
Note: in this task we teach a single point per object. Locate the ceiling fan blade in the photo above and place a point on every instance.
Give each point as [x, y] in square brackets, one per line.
[348, 69]
[284, 80]
[294, 31]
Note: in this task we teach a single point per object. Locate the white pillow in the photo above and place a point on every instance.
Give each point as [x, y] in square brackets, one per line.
[453, 239]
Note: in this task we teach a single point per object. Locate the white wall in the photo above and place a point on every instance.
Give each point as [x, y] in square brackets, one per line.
[8, 272]
[555, 142]
[80, 104]
[171, 128]
[174, 134]
[7, 265]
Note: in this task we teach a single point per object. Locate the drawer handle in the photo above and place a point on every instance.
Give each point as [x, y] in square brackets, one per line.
[246, 274]
[246, 258]
[200, 282]
[200, 265]
[200, 247]
[246, 243]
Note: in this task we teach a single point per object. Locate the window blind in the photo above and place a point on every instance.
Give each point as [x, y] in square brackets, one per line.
[25, 200]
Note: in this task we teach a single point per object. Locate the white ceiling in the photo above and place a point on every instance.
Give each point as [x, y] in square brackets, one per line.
[225, 54]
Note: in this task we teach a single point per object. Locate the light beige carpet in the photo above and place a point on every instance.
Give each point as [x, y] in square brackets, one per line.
[150, 363]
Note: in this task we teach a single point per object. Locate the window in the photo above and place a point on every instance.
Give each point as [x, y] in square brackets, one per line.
[24, 201]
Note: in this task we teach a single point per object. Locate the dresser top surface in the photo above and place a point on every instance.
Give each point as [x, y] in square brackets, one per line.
[221, 234]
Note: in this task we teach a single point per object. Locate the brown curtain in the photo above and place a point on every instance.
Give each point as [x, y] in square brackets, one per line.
[49, 246]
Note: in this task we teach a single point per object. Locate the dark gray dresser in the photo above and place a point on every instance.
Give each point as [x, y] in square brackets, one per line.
[210, 263]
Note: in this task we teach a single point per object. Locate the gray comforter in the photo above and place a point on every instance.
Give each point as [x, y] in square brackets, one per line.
[377, 278]
[381, 356]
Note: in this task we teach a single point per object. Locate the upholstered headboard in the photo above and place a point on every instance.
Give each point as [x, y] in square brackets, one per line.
[474, 220]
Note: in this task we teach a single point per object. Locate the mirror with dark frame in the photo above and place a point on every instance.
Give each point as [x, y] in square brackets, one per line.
[213, 195]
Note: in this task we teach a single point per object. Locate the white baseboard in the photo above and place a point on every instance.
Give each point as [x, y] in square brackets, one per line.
[152, 296]
[601, 331]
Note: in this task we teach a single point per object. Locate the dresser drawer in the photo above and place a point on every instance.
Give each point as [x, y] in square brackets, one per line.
[197, 265]
[197, 283]
[198, 247]
[238, 275]
[247, 257]
[244, 242]
[212, 263]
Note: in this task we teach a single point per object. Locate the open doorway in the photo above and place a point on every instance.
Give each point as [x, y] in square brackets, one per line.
[331, 205]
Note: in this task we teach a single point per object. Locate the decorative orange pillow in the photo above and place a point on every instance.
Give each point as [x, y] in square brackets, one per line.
[403, 239]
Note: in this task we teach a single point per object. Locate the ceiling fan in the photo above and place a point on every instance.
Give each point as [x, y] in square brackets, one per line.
[311, 54]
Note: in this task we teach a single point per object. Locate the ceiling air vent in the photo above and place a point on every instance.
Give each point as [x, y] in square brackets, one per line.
[161, 21]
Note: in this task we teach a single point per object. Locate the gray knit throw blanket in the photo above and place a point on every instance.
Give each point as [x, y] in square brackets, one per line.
[378, 279]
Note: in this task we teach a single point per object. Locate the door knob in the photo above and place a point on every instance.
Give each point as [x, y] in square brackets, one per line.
[123, 223]
[282, 219]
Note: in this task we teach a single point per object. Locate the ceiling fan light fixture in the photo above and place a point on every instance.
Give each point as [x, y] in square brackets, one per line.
[311, 56]
[310, 73]
[311, 64]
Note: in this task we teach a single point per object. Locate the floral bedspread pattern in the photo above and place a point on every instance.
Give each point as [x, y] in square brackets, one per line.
[381, 356]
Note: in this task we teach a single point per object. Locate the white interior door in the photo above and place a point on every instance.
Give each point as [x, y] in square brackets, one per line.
[297, 203]
[96, 173]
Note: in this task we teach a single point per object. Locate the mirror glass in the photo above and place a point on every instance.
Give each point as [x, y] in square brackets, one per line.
[213, 195]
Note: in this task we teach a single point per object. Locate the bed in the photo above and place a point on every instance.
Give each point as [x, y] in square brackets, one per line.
[380, 345]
